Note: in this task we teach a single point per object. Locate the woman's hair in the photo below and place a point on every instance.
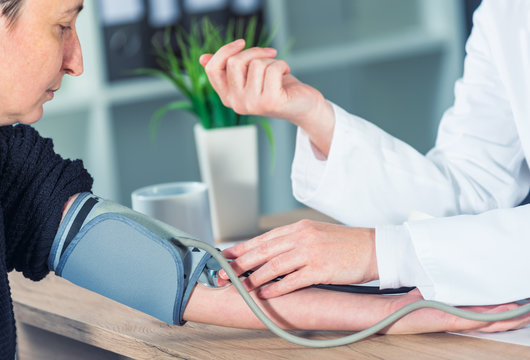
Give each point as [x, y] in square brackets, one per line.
[10, 9]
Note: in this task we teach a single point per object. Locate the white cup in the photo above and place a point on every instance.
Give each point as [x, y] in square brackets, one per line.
[183, 205]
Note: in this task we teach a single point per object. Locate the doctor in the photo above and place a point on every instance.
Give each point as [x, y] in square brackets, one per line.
[475, 251]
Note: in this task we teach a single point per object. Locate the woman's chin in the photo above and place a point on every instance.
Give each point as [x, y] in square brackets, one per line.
[31, 117]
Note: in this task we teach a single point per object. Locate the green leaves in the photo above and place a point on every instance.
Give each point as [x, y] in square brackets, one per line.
[185, 72]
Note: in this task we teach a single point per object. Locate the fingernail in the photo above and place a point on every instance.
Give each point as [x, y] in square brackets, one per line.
[239, 42]
[223, 274]
[263, 293]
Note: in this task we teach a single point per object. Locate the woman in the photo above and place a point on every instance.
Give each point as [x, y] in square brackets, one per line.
[38, 46]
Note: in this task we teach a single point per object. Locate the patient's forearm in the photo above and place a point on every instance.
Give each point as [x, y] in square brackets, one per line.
[316, 309]
[308, 309]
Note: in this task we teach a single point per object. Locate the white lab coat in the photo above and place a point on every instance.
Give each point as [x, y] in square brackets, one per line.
[478, 167]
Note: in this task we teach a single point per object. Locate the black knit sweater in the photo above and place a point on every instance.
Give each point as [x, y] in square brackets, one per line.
[35, 183]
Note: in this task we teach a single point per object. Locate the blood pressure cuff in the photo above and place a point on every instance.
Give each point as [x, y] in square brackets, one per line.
[128, 257]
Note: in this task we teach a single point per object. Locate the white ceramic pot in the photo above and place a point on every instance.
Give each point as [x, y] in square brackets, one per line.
[228, 161]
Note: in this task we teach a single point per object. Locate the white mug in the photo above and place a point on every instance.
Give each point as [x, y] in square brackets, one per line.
[183, 205]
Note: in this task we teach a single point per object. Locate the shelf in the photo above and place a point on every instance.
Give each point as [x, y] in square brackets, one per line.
[347, 20]
[409, 43]
[137, 89]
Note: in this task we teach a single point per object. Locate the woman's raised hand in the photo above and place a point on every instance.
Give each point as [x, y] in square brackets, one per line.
[253, 82]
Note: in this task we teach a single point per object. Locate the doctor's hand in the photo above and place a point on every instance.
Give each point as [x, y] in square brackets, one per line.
[307, 253]
[253, 82]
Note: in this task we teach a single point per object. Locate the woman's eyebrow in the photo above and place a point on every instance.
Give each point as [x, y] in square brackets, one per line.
[75, 10]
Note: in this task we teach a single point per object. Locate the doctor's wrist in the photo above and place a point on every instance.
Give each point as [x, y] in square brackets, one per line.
[319, 124]
[372, 270]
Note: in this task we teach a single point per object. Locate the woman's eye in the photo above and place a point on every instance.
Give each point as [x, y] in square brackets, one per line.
[65, 28]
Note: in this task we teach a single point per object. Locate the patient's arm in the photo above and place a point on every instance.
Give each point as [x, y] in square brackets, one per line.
[317, 309]
[308, 308]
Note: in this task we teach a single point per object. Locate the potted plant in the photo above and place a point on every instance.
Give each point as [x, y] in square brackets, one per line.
[226, 142]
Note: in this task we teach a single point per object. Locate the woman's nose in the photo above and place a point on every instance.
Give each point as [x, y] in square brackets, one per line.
[73, 57]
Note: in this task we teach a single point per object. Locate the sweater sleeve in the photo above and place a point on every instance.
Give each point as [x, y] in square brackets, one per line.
[35, 183]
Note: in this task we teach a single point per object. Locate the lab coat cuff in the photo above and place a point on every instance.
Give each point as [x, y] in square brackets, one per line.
[307, 168]
[397, 261]
[388, 244]
[309, 164]
[475, 259]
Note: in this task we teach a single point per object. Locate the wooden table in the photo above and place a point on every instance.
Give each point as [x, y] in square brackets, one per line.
[54, 311]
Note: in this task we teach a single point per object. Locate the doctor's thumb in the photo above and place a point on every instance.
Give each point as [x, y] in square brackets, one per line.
[204, 59]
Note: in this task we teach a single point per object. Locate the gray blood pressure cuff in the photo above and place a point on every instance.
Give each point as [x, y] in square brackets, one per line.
[128, 257]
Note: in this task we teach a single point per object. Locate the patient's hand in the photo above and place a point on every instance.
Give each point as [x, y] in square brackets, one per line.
[431, 320]
[308, 253]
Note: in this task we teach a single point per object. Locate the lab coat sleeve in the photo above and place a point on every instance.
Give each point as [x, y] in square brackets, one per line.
[368, 177]
[476, 259]
[397, 261]
[373, 179]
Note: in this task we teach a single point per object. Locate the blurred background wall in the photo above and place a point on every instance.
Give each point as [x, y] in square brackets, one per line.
[391, 62]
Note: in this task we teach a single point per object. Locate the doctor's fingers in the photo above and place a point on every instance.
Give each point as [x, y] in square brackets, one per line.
[296, 280]
[227, 68]
[274, 78]
[263, 93]
[258, 70]
[265, 76]
[246, 246]
[258, 250]
[237, 65]
[205, 59]
[245, 89]
[215, 65]
[283, 264]
[259, 256]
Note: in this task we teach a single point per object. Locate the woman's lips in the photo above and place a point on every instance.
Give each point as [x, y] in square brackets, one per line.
[51, 93]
